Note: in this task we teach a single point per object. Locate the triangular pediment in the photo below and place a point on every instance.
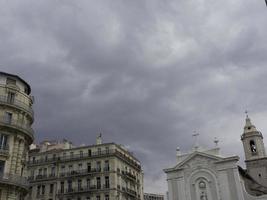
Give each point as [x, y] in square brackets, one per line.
[198, 159]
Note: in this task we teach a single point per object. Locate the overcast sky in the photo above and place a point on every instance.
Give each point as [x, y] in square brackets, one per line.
[146, 73]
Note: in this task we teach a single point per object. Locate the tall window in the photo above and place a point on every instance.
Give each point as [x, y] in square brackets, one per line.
[45, 172]
[8, 117]
[3, 141]
[81, 154]
[53, 171]
[106, 197]
[80, 166]
[51, 188]
[62, 187]
[40, 172]
[79, 184]
[98, 166]
[71, 154]
[43, 189]
[38, 190]
[99, 151]
[89, 167]
[98, 183]
[88, 181]
[107, 182]
[106, 165]
[11, 97]
[89, 152]
[69, 185]
[98, 197]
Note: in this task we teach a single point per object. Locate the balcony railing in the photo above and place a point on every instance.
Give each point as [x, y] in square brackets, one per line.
[41, 177]
[17, 103]
[111, 152]
[86, 189]
[12, 179]
[4, 150]
[17, 125]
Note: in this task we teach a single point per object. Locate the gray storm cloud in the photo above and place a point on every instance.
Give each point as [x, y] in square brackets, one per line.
[145, 73]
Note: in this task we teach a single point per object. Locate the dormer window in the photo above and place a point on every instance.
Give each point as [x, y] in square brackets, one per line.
[10, 81]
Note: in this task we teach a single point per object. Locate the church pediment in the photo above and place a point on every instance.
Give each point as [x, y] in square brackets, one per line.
[198, 159]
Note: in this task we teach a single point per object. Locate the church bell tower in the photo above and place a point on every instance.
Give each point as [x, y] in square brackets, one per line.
[255, 156]
[252, 142]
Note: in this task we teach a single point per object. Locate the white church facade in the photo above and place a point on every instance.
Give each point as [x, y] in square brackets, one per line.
[207, 175]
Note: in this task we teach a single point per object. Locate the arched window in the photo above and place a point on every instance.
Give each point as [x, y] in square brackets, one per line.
[253, 146]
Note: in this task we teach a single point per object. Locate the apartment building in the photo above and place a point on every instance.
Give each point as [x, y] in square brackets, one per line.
[104, 171]
[16, 134]
[152, 196]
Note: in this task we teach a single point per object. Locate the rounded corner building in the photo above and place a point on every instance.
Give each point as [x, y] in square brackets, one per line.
[16, 134]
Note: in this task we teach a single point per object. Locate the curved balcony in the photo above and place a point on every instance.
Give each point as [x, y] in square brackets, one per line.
[4, 150]
[15, 124]
[15, 180]
[16, 103]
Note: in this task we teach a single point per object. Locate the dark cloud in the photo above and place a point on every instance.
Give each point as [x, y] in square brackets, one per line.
[145, 73]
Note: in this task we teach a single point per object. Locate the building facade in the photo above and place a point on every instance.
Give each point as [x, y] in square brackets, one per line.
[16, 134]
[151, 196]
[97, 172]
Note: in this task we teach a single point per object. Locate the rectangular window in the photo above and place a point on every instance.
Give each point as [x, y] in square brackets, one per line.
[62, 187]
[99, 151]
[70, 185]
[79, 184]
[89, 167]
[107, 182]
[45, 172]
[98, 197]
[11, 97]
[3, 142]
[80, 167]
[40, 172]
[51, 189]
[53, 171]
[43, 189]
[107, 150]
[106, 165]
[88, 181]
[89, 152]
[38, 190]
[98, 166]
[81, 154]
[71, 154]
[8, 117]
[98, 183]
[106, 197]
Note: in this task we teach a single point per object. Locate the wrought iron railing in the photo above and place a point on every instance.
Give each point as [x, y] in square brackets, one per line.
[12, 179]
[16, 102]
[17, 124]
[111, 152]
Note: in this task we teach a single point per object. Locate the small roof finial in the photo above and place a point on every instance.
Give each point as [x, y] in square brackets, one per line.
[216, 141]
[246, 112]
[99, 139]
[195, 135]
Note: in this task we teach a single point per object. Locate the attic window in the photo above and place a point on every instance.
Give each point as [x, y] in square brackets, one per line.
[10, 81]
[249, 128]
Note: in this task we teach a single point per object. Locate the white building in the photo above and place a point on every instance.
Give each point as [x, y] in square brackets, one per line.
[207, 175]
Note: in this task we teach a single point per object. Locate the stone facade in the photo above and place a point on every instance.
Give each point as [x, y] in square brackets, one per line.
[97, 172]
[16, 134]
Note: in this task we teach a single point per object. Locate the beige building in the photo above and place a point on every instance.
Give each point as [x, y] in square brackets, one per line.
[151, 196]
[16, 134]
[58, 170]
